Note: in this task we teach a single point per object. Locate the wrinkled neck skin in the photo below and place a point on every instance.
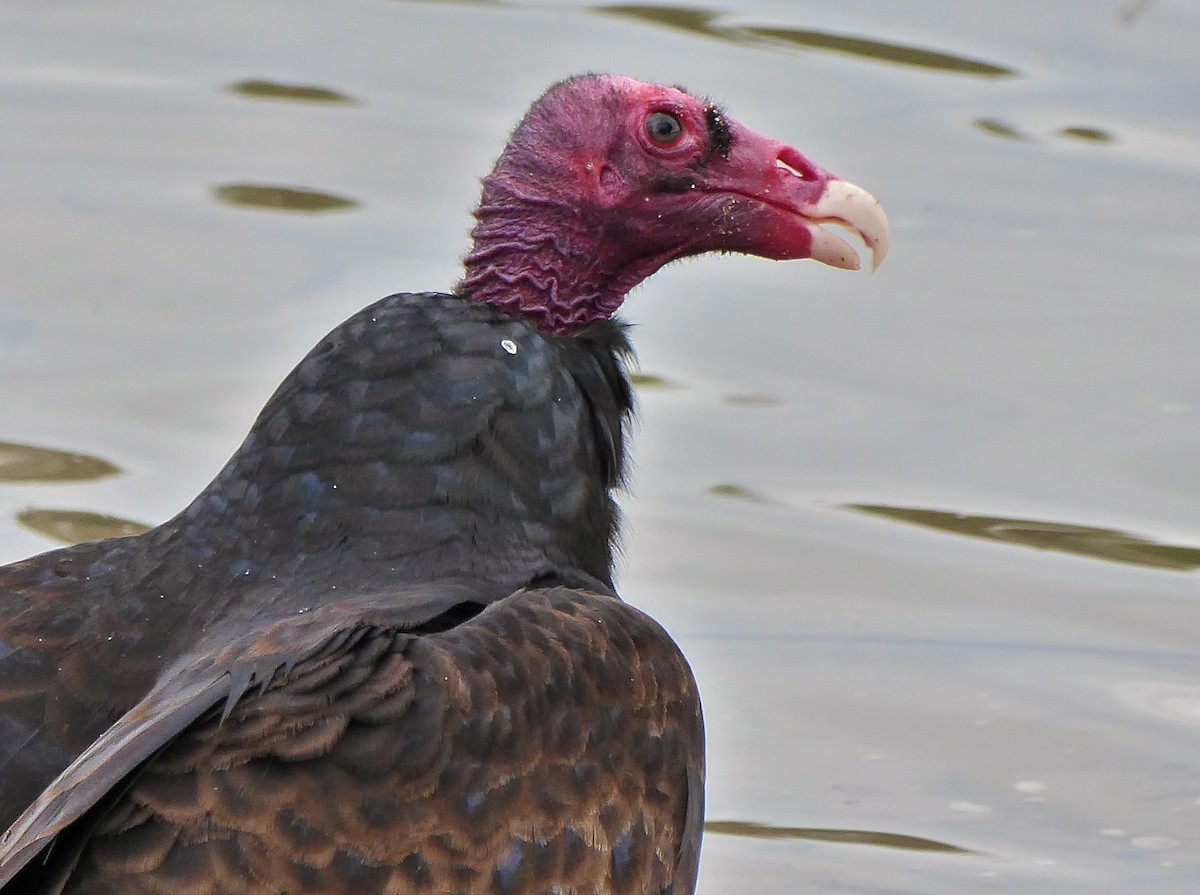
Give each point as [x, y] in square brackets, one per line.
[538, 257]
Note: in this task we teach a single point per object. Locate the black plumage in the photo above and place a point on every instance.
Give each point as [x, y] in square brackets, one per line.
[399, 451]
[427, 461]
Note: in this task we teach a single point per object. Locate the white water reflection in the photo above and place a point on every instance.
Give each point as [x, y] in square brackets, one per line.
[1165, 700]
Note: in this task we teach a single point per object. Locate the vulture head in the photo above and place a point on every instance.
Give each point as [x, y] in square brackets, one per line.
[607, 179]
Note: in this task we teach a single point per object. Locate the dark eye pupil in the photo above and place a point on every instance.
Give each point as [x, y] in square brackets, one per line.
[663, 128]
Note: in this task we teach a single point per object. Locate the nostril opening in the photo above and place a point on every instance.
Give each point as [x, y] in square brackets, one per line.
[780, 163]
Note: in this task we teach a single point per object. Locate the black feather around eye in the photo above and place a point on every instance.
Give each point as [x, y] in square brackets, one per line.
[718, 131]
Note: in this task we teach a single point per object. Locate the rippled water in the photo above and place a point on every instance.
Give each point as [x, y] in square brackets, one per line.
[929, 537]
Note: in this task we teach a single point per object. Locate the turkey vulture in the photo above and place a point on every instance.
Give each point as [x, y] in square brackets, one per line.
[382, 652]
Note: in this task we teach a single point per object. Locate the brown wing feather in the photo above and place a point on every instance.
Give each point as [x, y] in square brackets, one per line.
[551, 743]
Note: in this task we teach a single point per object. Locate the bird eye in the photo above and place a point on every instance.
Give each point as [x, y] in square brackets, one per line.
[663, 128]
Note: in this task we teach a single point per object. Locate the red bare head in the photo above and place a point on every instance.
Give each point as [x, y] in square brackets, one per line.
[607, 179]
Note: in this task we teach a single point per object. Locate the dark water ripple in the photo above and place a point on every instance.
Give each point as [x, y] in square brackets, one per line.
[994, 127]
[739, 492]
[651, 382]
[281, 198]
[821, 834]
[1087, 134]
[259, 88]
[882, 51]
[76, 526]
[25, 463]
[1062, 537]
[706, 22]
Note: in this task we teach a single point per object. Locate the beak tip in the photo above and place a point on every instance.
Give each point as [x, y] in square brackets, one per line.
[853, 207]
[882, 240]
[878, 253]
